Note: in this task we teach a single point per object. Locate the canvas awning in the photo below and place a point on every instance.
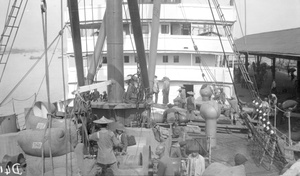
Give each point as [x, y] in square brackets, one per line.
[278, 44]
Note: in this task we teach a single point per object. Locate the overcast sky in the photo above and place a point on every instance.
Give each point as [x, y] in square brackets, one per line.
[261, 16]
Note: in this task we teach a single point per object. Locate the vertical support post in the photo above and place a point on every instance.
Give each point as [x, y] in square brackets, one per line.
[75, 30]
[273, 67]
[246, 61]
[115, 64]
[153, 41]
[138, 38]
[297, 78]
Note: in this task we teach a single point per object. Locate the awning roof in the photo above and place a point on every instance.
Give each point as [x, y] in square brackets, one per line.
[278, 44]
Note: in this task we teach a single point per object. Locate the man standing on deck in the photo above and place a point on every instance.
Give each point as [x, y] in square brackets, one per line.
[155, 88]
[166, 89]
[106, 140]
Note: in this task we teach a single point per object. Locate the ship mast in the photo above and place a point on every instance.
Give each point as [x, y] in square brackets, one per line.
[75, 31]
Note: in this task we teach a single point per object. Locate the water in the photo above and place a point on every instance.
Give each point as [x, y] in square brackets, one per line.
[24, 94]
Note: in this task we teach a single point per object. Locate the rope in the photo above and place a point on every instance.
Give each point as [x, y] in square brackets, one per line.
[206, 68]
[13, 41]
[44, 25]
[63, 79]
[26, 74]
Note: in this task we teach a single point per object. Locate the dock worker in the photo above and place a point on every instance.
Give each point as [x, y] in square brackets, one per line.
[106, 141]
[131, 93]
[170, 115]
[155, 89]
[166, 90]
[190, 102]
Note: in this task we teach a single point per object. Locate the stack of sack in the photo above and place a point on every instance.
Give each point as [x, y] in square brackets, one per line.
[62, 145]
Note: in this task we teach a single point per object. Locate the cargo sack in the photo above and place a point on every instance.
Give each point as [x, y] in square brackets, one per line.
[131, 140]
[39, 123]
[30, 142]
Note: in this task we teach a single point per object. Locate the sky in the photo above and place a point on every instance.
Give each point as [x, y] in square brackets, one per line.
[261, 16]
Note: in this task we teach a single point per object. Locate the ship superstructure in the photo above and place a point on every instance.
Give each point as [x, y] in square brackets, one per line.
[184, 26]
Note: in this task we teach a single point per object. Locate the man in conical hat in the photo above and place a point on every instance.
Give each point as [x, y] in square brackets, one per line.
[106, 140]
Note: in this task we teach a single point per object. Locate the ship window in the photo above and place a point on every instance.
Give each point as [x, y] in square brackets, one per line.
[126, 29]
[126, 59]
[145, 28]
[165, 29]
[104, 60]
[197, 60]
[176, 59]
[165, 59]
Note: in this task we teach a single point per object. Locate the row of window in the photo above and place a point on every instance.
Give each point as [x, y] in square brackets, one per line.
[170, 28]
[165, 59]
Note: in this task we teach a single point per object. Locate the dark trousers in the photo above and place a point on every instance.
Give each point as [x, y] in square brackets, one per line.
[107, 169]
[156, 97]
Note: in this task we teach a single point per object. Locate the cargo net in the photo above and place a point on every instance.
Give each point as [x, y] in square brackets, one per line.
[264, 145]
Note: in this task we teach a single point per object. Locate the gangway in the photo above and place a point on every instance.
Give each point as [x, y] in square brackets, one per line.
[250, 84]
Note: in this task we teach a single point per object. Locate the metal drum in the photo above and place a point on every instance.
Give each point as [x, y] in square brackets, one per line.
[8, 124]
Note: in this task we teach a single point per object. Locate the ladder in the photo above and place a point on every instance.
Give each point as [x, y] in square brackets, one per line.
[251, 86]
[10, 31]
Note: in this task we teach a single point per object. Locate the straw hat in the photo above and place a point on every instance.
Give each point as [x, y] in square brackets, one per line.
[103, 120]
[190, 93]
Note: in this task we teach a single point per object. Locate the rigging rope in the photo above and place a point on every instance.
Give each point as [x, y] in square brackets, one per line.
[231, 77]
[64, 86]
[207, 69]
[44, 25]
[14, 38]
[27, 73]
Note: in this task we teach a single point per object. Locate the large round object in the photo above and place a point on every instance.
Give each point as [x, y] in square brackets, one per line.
[39, 123]
[30, 142]
[206, 91]
[210, 110]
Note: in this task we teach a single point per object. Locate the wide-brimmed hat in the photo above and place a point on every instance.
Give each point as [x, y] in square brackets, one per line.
[169, 105]
[103, 120]
[190, 93]
[239, 159]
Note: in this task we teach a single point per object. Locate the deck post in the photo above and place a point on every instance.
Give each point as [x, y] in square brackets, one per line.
[115, 63]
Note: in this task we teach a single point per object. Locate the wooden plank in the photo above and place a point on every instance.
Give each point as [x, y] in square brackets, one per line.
[92, 87]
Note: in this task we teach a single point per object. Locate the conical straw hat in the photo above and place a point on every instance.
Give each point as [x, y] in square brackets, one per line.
[103, 120]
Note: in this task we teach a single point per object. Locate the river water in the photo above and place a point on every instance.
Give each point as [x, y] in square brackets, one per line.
[32, 87]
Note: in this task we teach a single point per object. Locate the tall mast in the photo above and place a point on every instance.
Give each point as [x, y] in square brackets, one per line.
[75, 30]
[115, 63]
[153, 41]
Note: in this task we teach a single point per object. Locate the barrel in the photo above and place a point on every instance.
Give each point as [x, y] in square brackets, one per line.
[8, 124]
[130, 161]
[31, 142]
[35, 164]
